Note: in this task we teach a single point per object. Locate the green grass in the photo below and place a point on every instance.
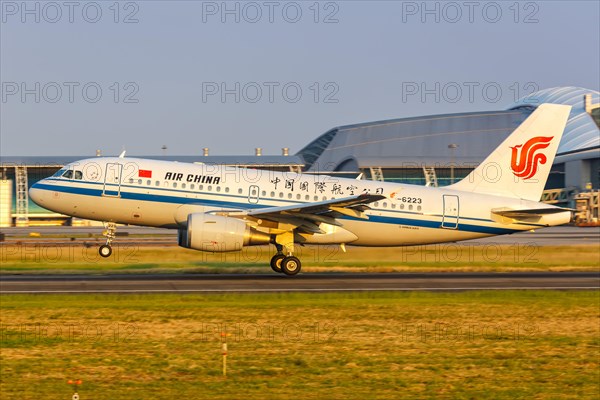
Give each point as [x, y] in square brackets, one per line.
[128, 258]
[514, 344]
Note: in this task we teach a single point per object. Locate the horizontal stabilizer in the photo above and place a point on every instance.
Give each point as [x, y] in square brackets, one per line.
[548, 216]
[528, 213]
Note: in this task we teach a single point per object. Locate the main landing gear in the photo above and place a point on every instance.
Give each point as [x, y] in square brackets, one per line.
[106, 249]
[281, 263]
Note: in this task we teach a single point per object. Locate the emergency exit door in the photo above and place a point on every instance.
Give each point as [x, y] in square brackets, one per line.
[253, 194]
[451, 212]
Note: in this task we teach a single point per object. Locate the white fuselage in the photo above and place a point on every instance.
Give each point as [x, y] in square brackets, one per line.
[163, 193]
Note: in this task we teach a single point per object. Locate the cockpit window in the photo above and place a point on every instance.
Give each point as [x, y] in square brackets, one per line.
[78, 175]
[68, 174]
[59, 172]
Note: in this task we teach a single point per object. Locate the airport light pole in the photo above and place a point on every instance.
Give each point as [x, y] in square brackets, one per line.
[452, 147]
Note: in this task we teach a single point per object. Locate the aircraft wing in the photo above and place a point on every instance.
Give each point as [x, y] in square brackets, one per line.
[308, 216]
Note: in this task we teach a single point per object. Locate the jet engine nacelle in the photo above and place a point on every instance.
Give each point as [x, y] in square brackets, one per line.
[215, 233]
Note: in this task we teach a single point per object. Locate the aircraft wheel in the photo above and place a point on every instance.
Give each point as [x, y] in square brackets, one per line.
[105, 250]
[276, 262]
[290, 265]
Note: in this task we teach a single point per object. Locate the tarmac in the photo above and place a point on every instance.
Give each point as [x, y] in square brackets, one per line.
[338, 282]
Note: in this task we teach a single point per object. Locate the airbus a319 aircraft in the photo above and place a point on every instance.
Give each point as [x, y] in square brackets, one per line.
[220, 209]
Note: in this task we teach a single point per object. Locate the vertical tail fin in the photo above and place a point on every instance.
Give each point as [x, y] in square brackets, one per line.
[520, 166]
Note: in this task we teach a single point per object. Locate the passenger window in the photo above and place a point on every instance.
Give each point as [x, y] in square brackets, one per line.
[298, 196]
[157, 183]
[148, 182]
[174, 184]
[201, 187]
[210, 188]
[289, 195]
[192, 186]
[218, 188]
[263, 193]
[226, 190]
[183, 185]
[384, 205]
[419, 208]
[281, 195]
[240, 191]
[307, 197]
[272, 194]
[130, 180]
[394, 206]
[139, 181]
[410, 207]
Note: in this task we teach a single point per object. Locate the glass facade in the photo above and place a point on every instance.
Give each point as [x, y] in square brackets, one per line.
[415, 176]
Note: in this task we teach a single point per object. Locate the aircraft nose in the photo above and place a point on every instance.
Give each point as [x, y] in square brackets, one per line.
[35, 194]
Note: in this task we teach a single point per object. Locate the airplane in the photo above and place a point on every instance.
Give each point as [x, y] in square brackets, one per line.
[219, 208]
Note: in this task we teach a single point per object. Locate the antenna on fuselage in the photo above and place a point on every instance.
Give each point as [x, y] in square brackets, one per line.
[122, 155]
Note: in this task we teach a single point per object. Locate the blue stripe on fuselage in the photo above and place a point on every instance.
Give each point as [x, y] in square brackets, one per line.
[229, 204]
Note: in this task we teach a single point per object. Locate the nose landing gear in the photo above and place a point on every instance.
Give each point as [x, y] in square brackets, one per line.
[106, 249]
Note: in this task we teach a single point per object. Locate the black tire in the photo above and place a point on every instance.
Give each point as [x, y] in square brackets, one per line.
[105, 250]
[276, 262]
[291, 265]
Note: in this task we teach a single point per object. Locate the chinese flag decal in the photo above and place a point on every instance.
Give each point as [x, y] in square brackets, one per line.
[526, 157]
[145, 173]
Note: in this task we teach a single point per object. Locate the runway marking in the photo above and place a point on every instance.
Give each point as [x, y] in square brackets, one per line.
[295, 290]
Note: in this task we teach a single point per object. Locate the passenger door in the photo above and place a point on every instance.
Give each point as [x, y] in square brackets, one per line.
[451, 212]
[112, 180]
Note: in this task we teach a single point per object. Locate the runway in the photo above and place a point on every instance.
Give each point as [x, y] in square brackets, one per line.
[142, 236]
[339, 282]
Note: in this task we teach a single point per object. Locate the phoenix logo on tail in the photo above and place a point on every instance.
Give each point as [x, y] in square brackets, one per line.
[525, 164]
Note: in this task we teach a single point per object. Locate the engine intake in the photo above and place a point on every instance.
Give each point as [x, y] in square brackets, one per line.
[215, 233]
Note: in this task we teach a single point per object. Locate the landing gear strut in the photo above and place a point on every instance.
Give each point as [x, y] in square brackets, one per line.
[106, 249]
[288, 265]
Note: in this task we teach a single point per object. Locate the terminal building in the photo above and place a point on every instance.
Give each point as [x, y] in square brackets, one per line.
[430, 149]
[433, 150]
